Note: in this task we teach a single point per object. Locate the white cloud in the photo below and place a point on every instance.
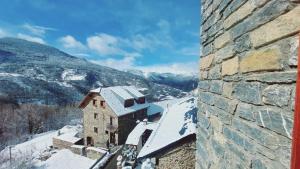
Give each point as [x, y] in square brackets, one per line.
[70, 42]
[193, 50]
[123, 64]
[3, 33]
[37, 30]
[128, 63]
[105, 44]
[189, 68]
[31, 38]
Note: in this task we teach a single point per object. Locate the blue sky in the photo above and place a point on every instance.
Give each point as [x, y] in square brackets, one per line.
[151, 35]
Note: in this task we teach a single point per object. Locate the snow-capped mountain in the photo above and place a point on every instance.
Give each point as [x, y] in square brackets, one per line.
[32, 72]
[182, 82]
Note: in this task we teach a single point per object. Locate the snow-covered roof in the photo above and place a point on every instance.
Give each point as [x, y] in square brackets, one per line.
[68, 134]
[134, 137]
[114, 96]
[99, 150]
[69, 137]
[160, 107]
[121, 92]
[64, 159]
[177, 122]
[133, 91]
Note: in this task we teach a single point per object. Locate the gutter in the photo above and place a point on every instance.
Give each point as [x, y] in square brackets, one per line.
[295, 154]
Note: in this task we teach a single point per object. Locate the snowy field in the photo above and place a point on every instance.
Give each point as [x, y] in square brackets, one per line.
[36, 153]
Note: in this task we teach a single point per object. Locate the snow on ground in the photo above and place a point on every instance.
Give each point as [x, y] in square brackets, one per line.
[65, 159]
[10, 74]
[177, 122]
[70, 75]
[34, 148]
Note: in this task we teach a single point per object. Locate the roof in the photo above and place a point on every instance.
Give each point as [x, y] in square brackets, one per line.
[66, 159]
[68, 137]
[115, 96]
[160, 107]
[134, 137]
[177, 122]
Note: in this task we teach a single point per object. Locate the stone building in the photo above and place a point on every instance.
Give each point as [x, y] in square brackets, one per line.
[169, 143]
[247, 83]
[109, 114]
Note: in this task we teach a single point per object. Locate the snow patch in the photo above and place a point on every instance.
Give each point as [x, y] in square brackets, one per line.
[70, 74]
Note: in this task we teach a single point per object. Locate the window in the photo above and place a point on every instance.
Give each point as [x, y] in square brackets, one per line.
[94, 102]
[102, 103]
[95, 115]
[111, 120]
[95, 129]
[129, 103]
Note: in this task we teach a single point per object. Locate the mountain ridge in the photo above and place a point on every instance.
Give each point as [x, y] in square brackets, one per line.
[35, 73]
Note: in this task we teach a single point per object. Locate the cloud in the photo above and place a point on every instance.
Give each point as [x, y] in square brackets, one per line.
[37, 30]
[128, 62]
[105, 44]
[188, 68]
[70, 42]
[31, 38]
[3, 33]
[192, 50]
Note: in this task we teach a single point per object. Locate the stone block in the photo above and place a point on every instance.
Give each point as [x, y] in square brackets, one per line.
[248, 92]
[217, 125]
[227, 89]
[206, 50]
[203, 84]
[274, 77]
[222, 40]
[280, 27]
[265, 14]
[266, 139]
[233, 6]
[245, 111]
[292, 100]
[257, 164]
[224, 53]
[215, 72]
[277, 95]
[205, 62]
[237, 139]
[230, 66]
[239, 14]
[216, 86]
[275, 120]
[206, 97]
[293, 50]
[218, 148]
[224, 116]
[203, 75]
[261, 60]
[242, 44]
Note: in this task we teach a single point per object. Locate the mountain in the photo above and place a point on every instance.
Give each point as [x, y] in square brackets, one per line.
[185, 83]
[35, 73]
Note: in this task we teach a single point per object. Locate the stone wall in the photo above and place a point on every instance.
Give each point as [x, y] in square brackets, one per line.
[247, 83]
[100, 122]
[182, 156]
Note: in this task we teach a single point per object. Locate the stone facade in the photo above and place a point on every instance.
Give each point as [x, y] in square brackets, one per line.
[110, 127]
[95, 116]
[247, 83]
[179, 156]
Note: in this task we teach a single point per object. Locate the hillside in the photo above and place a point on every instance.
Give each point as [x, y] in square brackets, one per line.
[36, 73]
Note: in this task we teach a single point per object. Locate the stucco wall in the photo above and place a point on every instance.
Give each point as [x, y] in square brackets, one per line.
[247, 83]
